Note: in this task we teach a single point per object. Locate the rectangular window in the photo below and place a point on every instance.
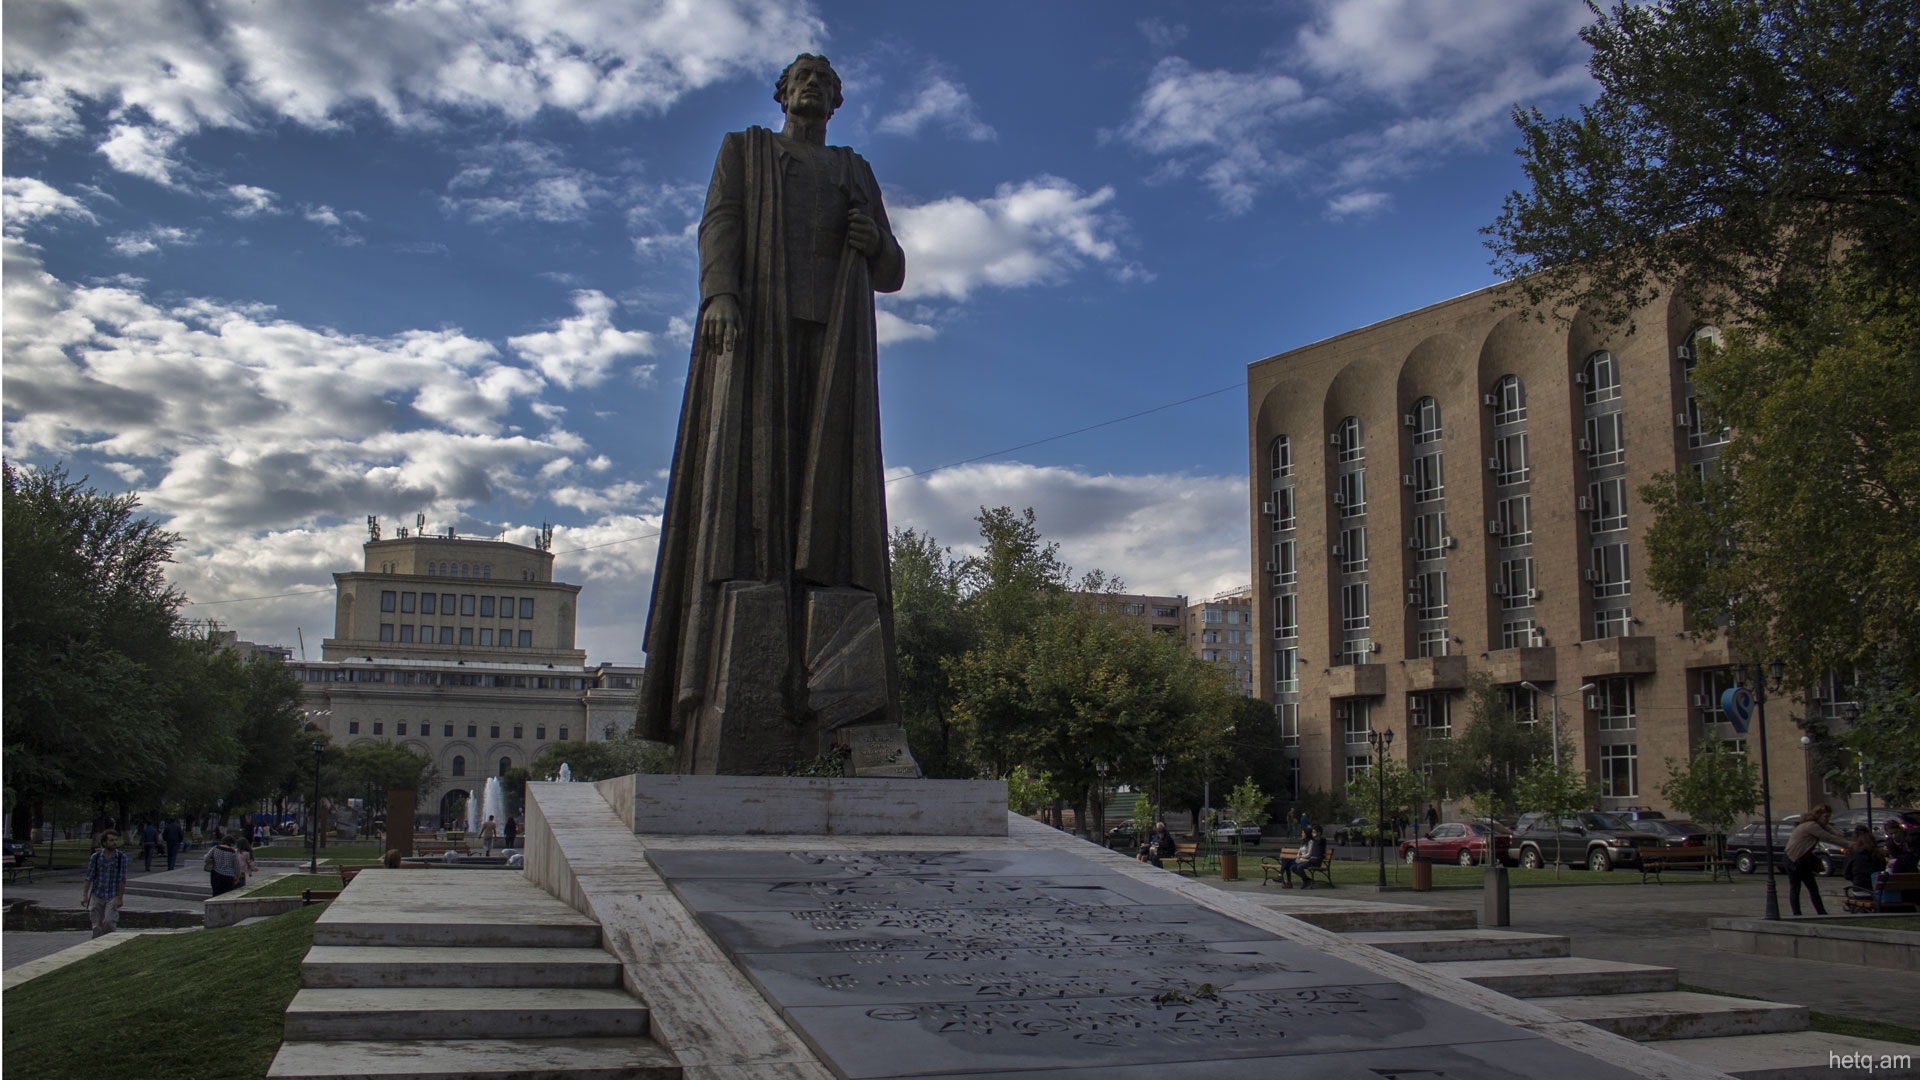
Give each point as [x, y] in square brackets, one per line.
[1516, 518]
[1433, 643]
[1287, 715]
[1356, 650]
[1426, 422]
[446, 635]
[486, 635]
[1612, 623]
[506, 607]
[1285, 570]
[1209, 654]
[426, 603]
[526, 638]
[517, 731]
[401, 728]
[1510, 459]
[506, 639]
[1516, 575]
[1603, 373]
[1429, 481]
[1354, 614]
[378, 728]
[1357, 766]
[446, 731]
[563, 734]
[540, 732]
[1286, 616]
[1512, 407]
[1606, 440]
[406, 603]
[1352, 714]
[1352, 491]
[1431, 712]
[1607, 502]
[1612, 699]
[1286, 671]
[446, 603]
[386, 631]
[1283, 518]
[486, 607]
[466, 635]
[1619, 771]
[1610, 576]
[1522, 703]
[1353, 550]
[1430, 536]
[387, 599]
[526, 607]
[493, 732]
[1282, 457]
[353, 727]
[1517, 634]
[472, 730]
[466, 603]
[1352, 446]
[1701, 430]
[1431, 588]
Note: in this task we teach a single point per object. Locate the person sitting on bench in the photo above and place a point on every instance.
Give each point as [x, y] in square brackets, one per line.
[1159, 846]
[1310, 857]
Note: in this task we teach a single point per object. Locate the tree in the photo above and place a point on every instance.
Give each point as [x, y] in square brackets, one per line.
[1715, 788]
[1390, 784]
[371, 771]
[1884, 740]
[930, 627]
[1485, 757]
[1746, 149]
[1556, 789]
[1028, 791]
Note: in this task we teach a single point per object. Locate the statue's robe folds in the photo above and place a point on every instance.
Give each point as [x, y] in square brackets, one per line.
[772, 617]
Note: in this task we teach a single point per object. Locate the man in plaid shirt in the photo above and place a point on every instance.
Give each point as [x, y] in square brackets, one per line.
[105, 888]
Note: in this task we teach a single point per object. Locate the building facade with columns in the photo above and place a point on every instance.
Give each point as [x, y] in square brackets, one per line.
[1456, 490]
[462, 650]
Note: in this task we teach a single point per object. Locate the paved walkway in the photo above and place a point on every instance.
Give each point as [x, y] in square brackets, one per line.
[17, 949]
[1667, 925]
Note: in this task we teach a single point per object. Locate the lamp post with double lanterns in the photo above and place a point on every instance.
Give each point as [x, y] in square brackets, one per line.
[1100, 799]
[1853, 717]
[1159, 770]
[1759, 680]
[1381, 741]
[319, 754]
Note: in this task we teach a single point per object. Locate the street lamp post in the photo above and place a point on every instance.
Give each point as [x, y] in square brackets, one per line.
[1159, 768]
[1777, 669]
[1381, 741]
[319, 753]
[1853, 717]
[1556, 713]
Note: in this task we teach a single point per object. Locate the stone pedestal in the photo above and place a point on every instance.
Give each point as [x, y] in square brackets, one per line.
[400, 807]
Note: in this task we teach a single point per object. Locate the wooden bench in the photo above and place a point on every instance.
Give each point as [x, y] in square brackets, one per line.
[1907, 885]
[1187, 855]
[15, 868]
[1677, 857]
[1271, 867]
[317, 896]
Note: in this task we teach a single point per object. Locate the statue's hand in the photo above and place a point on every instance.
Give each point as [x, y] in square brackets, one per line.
[863, 235]
[720, 323]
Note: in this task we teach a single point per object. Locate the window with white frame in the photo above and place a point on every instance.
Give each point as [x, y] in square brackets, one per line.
[1607, 502]
[1702, 430]
[1286, 616]
[1610, 575]
[1433, 712]
[1603, 378]
[1429, 481]
[1431, 590]
[1286, 569]
[1353, 549]
[1521, 703]
[1354, 614]
[1612, 701]
[1510, 459]
[1613, 623]
[1283, 517]
[1707, 337]
[1356, 650]
[1430, 535]
[1606, 440]
[1510, 400]
[1426, 421]
[1517, 634]
[1286, 717]
[1352, 714]
[1619, 771]
[1433, 643]
[1516, 576]
[1280, 458]
[1516, 520]
[1351, 494]
[1286, 671]
[1357, 766]
[1352, 447]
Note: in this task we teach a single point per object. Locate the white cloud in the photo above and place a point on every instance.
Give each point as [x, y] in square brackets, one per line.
[1357, 204]
[940, 103]
[1162, 533]
[521, 178]
[1030, 233]
[1405, 47]
[1161, 34]
[622, 496]
[143, 151]
[249, 201]
[29, 201]
[151, 239]
[1228, 121]
[580, 350]
[891, 328]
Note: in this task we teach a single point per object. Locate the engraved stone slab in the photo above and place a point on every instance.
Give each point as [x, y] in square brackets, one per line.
[1023, 963]
[879, 750]
[816, 805]
[846, 658]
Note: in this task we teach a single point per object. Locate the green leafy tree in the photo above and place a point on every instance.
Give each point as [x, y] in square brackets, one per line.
[1885, 738]
[932, 626]
[1715, 788]
[1248, 805]
[1389, 783]
[1145, 814]
[1556, 789]
[1747, 148]
[1028, 791]
[1487, 754]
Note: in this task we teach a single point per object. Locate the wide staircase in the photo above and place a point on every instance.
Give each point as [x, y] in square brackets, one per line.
[428, 975]
[1754, 1040]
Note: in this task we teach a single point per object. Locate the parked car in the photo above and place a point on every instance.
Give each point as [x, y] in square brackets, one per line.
[1844, 821]
[1589, 840]
[1225, 832]
[1682, 833]
[1121, 837]
[1747, 847]
[19, 850]
[1637, 813]
[1463, 842]
[1357, 831]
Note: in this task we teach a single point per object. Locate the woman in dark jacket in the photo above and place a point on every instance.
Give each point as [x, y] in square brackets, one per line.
[1864, 859]
[1160, 845]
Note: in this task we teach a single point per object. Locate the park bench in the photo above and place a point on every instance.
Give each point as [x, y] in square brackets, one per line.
[1907, 885]
[1653, 860]
[1270, 867]
[1187, 855]
[16, 867]
[318, 896]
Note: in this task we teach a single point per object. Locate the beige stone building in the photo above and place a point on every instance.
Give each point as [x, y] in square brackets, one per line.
[1456, 490]
[1221, 631]
[463, 650]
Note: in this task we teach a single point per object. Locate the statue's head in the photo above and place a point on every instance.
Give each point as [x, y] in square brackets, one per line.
[809, 87]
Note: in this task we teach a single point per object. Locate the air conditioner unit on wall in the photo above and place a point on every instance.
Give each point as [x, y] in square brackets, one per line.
[1680, 420]
[1413, 599]
[1580, 378]
[1683, 352]
[1339, 498]
[1583, 503]
[1413, 543]
[1406, 479]
[1499, 588]
[1493, 464]
[1593, 575]
[1496, 527]
[1269, 566]
[1450, 542]
[1582, 446]
[1409, 420]
[1699, 700]
[1267, 509]
[1338, 550]
[1375, 647]
[1490, 401]
[1333, 439]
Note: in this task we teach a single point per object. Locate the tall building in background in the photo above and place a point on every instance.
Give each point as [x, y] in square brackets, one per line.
[464, 651]
[1221, 631]
[1455, 490]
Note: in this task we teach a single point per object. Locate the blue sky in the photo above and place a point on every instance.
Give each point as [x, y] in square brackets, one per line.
[279, 267]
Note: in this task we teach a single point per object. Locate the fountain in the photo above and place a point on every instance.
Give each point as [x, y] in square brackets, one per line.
[496, 806]
[473, 813]
[566, 773]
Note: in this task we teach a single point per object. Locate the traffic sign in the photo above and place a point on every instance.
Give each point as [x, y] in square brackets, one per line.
[1737, 705]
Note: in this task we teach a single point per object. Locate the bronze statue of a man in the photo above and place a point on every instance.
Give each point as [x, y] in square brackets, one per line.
[771, 631]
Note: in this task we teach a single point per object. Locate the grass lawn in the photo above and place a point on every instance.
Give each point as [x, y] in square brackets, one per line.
[295, 884]
[1358, 872]
[1909, 923]
[1833, 1023]
[197, 1006]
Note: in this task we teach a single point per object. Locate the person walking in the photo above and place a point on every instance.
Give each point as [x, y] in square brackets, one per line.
[221, 865]
[149, 842]
[1803, 860]
[103, 892]
[487, 832]
[513, 832]
[243, 864]
[175, 837]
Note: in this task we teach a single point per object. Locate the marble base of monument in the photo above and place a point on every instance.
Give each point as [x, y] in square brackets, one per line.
[807, 805]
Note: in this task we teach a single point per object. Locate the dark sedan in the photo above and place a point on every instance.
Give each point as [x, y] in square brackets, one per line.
[1463, 842]
[1680, 833]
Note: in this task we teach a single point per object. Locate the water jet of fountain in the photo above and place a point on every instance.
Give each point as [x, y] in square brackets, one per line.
[496, 805]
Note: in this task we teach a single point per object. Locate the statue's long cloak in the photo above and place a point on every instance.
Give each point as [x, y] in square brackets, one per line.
[777, 473]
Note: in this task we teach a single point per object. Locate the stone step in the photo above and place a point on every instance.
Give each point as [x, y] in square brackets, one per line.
[1428, 946]
[408, 933]
[344, 966]
[172, 890]
[334, 1015]
[1796, 1055]
[1382, 917]
[476, 1059]
[421, 908]
[1677, 1015]
[1560, 976]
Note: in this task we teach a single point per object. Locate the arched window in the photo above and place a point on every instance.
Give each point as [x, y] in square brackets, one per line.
[1426, 421]
[459, 765]
[1509, 400]
[1603, 378]
[1281, 457]
[505, 764]
[430, 570]
[1347, 437]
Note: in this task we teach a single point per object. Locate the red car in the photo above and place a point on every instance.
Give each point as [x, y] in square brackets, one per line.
[1463, 842]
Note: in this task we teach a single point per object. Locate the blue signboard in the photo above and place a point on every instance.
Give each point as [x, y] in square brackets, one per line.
[1737, 704]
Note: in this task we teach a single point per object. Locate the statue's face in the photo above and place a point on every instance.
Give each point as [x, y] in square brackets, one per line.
[809, 91]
